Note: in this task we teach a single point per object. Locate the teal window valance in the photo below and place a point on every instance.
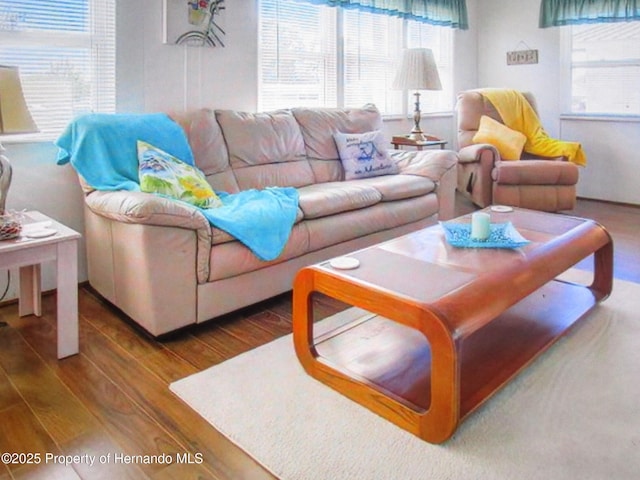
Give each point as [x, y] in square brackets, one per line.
[448, 13]
[556, 13]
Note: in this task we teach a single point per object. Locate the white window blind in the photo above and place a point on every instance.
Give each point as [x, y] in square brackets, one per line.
[605, 68]
[313, 55]
[371, 47]
[297, 60]
[65, 52]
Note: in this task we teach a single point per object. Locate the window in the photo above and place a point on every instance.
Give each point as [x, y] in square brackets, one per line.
[315, 56]
[65, 51]
[605, 68]
[371, 44]
[298, 58]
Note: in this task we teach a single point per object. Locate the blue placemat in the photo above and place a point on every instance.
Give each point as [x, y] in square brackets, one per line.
[503, 235]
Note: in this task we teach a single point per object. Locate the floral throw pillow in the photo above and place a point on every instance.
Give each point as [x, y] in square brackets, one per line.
[364, 155]
[164, 174]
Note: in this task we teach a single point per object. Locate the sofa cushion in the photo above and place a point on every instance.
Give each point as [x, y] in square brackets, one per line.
[205, 138]
[164, 174]
[209, 147]
[265, 149]
[345, 226]
[397, 187]
[261, 138]
[219, 236]
[322, 199]
[286, 174]
[233, 258]
[364, 155]
[318, 126]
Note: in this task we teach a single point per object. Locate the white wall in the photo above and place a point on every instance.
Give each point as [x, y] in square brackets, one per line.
[611, 146]
[153, 76]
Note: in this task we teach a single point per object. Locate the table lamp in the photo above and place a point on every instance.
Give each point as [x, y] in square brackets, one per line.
[417, 71]
[14, 118]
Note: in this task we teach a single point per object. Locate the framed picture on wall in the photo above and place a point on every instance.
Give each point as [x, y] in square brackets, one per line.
[194, 22]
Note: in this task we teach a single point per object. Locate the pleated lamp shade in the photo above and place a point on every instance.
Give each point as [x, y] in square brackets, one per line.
[14, 114]
[418, 71]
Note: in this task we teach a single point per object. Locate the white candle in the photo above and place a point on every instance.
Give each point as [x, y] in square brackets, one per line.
[480, 226]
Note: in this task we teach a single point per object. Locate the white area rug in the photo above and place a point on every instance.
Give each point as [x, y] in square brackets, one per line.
[573, 414]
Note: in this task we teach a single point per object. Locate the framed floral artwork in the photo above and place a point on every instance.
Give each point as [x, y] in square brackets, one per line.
[194, 22]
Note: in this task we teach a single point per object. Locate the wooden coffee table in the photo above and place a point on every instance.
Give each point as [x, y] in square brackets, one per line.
[439, 329]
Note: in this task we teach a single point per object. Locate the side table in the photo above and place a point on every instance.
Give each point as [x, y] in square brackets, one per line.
[398, 141]
[28, 254]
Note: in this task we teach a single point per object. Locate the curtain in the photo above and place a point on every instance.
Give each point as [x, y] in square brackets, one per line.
[448, 13]
[555, 13]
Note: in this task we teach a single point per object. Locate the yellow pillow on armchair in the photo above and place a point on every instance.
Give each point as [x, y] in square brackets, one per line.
[508, 142]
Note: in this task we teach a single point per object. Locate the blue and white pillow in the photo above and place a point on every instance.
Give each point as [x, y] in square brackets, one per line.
[364, 155]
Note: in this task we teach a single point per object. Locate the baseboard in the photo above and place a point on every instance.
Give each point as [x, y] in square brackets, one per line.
[610, 202]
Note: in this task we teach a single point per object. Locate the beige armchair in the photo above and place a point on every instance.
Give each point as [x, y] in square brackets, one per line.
[547, 184]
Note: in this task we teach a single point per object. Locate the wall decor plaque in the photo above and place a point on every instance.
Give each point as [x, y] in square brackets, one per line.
[522, 57]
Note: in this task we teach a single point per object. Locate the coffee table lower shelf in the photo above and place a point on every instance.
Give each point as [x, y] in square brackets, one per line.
[387, 366]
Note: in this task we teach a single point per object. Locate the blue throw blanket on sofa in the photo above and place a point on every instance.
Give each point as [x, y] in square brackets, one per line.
[103, 150]
[103, 147]
[260, 219]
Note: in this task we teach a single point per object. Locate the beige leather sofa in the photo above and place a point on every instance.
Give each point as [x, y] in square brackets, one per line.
[163, 265]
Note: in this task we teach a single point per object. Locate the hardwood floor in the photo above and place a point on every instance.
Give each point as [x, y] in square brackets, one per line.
[113, 398]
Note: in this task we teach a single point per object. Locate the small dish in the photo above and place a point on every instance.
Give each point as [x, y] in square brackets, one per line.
[39, 233]
[344, 263]
[501, 208]
[503, 235]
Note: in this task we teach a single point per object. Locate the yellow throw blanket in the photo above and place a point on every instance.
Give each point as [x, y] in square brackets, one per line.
[519, 115]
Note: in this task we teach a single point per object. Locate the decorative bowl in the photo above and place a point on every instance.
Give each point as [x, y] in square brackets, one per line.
[503, 235]
[10, 227]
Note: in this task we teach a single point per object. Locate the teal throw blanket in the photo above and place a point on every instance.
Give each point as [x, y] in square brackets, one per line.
[260, 219]
[102, 147]
[103, 150]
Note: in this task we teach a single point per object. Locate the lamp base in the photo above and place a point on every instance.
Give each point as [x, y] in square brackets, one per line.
[417, 136]
[5, 181]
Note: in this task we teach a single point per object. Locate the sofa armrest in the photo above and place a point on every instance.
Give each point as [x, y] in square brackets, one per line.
[475, 166]
[437, 165]
[145, 208]
[478, 151]
[148, 209]
[432, 164]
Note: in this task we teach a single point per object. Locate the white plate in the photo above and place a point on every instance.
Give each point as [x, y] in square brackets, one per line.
[345, 263]
[501, 208]
[40, 233]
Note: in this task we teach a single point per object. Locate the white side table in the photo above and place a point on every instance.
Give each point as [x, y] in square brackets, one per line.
[28, 254]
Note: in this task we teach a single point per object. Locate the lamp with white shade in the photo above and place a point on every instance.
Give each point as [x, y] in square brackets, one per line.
[418, 71]
[14, 118]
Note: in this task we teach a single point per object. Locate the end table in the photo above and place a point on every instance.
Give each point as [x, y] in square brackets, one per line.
[398, 141]
[28, 254]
